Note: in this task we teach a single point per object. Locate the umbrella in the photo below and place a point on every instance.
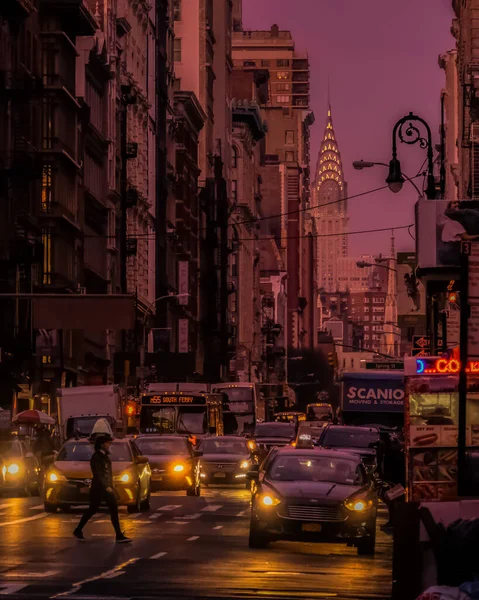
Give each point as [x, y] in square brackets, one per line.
[33, 417]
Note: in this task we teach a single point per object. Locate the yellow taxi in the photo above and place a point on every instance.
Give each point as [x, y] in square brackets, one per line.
[68, 480]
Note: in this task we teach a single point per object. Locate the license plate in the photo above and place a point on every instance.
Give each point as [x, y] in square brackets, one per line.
[220, 475]
[311, 527]
[84, 490]
[157, 478]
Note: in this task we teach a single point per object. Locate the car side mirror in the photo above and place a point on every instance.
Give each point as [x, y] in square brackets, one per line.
[198, 453]
[141, 460]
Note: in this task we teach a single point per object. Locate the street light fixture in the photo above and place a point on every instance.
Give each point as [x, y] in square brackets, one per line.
[361, 264]
[359, 165]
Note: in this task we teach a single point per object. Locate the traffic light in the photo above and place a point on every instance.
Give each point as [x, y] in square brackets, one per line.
[333, 359]
[130, 409]
[452, 297]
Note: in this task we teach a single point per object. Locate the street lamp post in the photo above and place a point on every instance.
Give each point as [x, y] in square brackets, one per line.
[409, 134]
[361, 264]
[147, 313]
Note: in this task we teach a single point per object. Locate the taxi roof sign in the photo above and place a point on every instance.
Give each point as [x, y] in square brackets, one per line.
[305, 441]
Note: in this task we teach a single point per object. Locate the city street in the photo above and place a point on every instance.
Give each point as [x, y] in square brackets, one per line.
[185, 547]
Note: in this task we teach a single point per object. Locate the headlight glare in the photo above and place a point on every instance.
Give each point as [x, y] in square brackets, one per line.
[53, 477]
[125, 478]
[245, 464]
[268, 500]
[178, 468]
[359, 504]
[13, 469]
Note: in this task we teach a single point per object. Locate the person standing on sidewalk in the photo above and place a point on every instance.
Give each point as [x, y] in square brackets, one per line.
[101, 491]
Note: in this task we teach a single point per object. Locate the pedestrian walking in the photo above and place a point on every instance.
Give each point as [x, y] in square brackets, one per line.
[101, 491]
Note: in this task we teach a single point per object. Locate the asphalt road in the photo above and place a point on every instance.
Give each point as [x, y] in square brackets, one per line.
[183, 548]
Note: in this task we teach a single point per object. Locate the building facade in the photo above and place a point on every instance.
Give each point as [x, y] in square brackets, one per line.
[329, 199]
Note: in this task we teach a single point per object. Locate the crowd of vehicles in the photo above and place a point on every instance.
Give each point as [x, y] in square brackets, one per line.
[310, 477]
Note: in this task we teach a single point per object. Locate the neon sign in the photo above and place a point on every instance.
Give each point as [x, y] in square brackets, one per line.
[443, 366]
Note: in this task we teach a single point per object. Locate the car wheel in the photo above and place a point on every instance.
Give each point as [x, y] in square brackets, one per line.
[64, 507]
[135, 508]
[50, 508]
[256, 538]
[191, 491]
[145, 505]
[198, 490]
[367, 547]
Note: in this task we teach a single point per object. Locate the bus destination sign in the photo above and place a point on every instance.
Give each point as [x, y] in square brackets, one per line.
[168, 399]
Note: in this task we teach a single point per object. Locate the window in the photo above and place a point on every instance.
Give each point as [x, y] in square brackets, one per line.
[366, 309]
[48, 124]
[265, 63]
[234, 265]
[111, 229]
[177, 49]
[283, 87]
[234, 158]
[234, 189]
[283, 99]
[234, 302]
[289, 156]
[177, 10]
[282, 75]
[177, 84]
[47, 256]
[289, 137]
[282, 62]
[47, 188]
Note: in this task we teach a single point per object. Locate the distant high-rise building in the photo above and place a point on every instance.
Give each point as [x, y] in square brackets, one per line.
[329, 195]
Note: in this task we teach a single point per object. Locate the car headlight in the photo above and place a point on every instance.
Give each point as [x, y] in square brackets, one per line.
[359, 504]
[53, 477]
[252, 445]
[246, 464]
[4, 471]
[125, 478]
[13, 469]
[178, 468]
[269, 500]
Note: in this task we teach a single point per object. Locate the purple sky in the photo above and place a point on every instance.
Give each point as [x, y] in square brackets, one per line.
[381, 59]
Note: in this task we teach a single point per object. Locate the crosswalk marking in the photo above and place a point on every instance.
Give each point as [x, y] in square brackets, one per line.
[241, 514]
[169, 507]
[193, 538]
[11, 588]
[37, 507]
[218, 527]
[159, 555]
[190, 517]
[212, 507]
[5, 506]
[17, 521]
[178, 522]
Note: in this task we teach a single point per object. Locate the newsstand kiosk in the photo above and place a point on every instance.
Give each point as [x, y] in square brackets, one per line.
[431, 453]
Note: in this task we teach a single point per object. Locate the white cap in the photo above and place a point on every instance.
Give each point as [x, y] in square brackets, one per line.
[102, 427]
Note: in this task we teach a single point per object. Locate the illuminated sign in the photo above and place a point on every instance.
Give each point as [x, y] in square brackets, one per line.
[173, 400]
[443, 366]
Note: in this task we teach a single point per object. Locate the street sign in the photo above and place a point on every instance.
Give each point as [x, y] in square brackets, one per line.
[385, 366]
[421, 345]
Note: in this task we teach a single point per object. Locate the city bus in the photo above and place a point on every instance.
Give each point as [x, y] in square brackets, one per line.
[243, 406]
[195, 414]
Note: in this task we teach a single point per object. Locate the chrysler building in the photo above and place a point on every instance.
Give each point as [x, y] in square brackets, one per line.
[330, 198]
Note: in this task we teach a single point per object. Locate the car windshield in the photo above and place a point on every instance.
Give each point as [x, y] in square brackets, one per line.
[222, 446]
[349, 438]
[83, 426]
[192, 419]
[163, 447]
[8, 449]
[276, 430]
[316, 468]
[119, 452]
[319, 412]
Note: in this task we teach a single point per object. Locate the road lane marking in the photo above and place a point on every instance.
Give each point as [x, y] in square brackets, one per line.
[190, 517]
[169, 507]
[77, 586]
[212, 507]
[218, 527]
[241, 514]
[155, 516]
[17, 521]
[100, 535]
[11, 588]
[101, 521]
[5, 506]
[113, 575]
[135, 516]
[193, 538]
[178, 522]
[37, 507]
[159, 555]
[34, 575]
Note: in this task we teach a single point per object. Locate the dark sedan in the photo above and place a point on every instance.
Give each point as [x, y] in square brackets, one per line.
[313, 495]
[364, 441]
[226, 460]
[174, 464]
[270, 435]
